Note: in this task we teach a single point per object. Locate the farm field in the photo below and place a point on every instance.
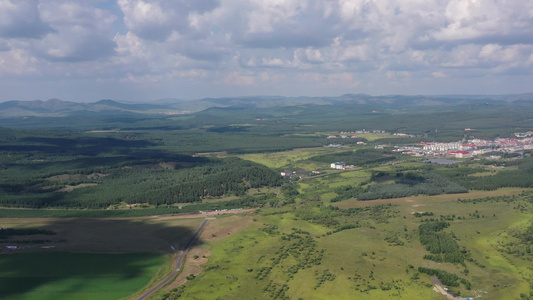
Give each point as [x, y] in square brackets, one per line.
[155, 235]
[90, 258]
[79, 275]
[278, 160]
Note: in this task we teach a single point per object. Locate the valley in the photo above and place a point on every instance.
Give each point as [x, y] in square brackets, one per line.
[118, 197]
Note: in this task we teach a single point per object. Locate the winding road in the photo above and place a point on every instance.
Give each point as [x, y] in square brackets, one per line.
[178, 262]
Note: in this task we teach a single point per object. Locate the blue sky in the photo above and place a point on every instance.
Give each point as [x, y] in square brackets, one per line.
[142, 50]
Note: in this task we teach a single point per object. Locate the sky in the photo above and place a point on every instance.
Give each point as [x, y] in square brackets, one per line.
[142, 50]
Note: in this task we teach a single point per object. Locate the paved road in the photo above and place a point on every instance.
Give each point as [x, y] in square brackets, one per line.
[178, 263]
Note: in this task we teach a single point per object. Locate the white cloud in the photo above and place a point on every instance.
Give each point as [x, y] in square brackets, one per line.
[489, 19]
[80, 32]
[295, 46]
[16, 62]
[438, 75]
[21, 19]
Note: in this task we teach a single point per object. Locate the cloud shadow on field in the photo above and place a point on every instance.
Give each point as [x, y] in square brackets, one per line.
[106, 257]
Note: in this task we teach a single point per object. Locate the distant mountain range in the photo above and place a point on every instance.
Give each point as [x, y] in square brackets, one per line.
[57, 108]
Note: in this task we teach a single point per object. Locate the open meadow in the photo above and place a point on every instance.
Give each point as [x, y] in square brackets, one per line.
[281, 256]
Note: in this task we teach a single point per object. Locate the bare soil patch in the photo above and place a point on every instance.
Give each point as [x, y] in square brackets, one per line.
[222, 227]
[192, 265]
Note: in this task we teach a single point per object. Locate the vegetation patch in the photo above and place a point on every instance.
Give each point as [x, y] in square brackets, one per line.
[411, 185]
[441, 245]
[361, 157]
[447, 278]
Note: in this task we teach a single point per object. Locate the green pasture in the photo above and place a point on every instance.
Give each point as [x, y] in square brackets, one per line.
[350, 255]
[76, 275]
[235, 260]
[288, 158]
[375, 136]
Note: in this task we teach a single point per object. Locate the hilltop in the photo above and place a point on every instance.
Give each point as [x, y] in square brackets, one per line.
[58, 108]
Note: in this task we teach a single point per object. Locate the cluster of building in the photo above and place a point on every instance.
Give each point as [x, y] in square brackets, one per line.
[469, 149]
[365, 131]
[340, 165]
[300, 173]
[523, 134]
[341, 136]
[405, 134]
[352, 134]
[340, 145]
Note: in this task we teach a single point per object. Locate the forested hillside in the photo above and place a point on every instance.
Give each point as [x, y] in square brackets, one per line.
[72, 170]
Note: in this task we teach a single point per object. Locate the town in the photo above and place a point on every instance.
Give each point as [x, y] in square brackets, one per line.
[467, 148]
[471, 147]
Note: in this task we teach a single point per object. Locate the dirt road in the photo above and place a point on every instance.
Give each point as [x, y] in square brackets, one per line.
[439, 288]
[178, 263]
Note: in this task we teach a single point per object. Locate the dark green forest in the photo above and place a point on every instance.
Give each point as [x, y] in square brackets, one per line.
[411, 184]
[37, 172]
[102, 160]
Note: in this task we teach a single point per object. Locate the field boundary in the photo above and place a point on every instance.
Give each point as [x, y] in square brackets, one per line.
[178, 262]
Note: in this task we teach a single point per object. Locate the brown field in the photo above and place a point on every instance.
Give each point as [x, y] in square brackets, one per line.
[438, 198]
[222, 227]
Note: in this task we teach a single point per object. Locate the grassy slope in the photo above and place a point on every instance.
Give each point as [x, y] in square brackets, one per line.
[253, 248]
[352, 255]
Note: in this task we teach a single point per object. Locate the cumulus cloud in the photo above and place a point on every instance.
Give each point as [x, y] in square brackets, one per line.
[489, 20]
[21, 19]
[156, 20]
[254, 45]
[82, 32]
[16, 62]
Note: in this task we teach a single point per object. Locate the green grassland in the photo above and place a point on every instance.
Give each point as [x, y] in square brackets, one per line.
[377, 260]
[76, 275]
[278, 160]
